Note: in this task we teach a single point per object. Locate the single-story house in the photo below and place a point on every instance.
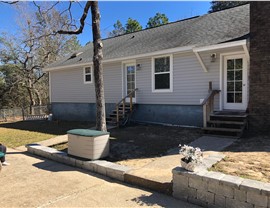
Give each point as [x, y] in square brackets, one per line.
[171, 66]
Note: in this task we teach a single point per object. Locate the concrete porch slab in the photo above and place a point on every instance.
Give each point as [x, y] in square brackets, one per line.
[212, 143]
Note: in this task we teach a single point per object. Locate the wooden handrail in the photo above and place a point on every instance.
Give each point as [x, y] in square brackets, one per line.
[211, 94]
[208, 106]
[128, 95]
[123, 100]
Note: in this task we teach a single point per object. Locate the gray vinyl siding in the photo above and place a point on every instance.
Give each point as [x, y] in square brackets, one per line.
[68, 85]
[190, 82]
[113, 82]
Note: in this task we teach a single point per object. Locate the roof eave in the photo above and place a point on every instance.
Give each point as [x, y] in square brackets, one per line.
[220, 46]
[156, 53]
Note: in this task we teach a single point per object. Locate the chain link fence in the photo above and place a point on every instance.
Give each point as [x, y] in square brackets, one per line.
[25, 113]
[11, 114]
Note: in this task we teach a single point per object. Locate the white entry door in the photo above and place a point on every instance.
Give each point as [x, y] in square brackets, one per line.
[235, 82]
[130, 80]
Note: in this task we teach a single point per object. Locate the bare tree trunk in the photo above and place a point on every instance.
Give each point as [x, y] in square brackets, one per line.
[98, 69]
[31, 101]
[31, 97]
[39, 101]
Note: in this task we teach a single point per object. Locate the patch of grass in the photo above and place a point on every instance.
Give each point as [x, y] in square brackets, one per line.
[14, 137]
[25, 132]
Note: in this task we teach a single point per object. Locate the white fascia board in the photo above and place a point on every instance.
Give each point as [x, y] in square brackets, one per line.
[67, 67]
[220, 46]
[171, 50]
[246, 52]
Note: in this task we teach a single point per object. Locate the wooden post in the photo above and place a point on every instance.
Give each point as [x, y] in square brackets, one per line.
[124, 107]
[204, 115]
[117, 114]
[210, 87]
[212, 104]
[130, 102]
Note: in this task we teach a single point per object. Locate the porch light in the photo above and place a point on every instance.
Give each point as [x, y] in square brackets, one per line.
[138, 66]
[213, 57]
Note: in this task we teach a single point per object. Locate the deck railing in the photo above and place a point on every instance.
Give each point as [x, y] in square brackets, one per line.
[208, 104]
[123, 101]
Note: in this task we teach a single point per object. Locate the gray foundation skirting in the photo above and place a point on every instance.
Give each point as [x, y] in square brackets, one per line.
[182, 115]
[77, 111]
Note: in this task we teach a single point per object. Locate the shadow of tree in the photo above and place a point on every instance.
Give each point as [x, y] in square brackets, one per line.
[48, 127]
[250, 143]
[156, 199]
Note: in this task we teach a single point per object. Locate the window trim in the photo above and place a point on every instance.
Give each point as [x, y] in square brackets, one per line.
[84, 74]
[170, 72]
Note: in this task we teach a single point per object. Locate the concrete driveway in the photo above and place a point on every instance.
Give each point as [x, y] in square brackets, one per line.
[36, 182]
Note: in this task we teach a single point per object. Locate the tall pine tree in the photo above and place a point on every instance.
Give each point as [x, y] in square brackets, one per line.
[221, 5]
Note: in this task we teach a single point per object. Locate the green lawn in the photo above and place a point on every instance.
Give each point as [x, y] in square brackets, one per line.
[24, 132]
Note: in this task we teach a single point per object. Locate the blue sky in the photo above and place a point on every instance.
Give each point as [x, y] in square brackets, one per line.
[112, 11]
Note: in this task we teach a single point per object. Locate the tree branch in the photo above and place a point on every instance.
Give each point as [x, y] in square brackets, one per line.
[82, 21]
[9, 2]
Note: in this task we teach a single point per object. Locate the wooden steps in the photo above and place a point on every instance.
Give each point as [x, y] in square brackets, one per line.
[222, 129]
[124, 112]
[226, 123]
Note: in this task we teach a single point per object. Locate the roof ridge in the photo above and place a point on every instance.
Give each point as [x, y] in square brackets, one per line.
[182, 20]
[199, 30]
[177, 21]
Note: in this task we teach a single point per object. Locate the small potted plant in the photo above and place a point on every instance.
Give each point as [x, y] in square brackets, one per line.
[192, 157]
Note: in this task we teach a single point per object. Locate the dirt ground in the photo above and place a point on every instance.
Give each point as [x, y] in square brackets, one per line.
[247, 158]
[144, 141]
[138, 145]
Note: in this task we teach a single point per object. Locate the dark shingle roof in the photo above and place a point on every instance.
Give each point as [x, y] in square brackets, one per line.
[218, 27]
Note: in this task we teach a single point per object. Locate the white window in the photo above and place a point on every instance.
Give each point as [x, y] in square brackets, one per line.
[87, 75]
[162, 74]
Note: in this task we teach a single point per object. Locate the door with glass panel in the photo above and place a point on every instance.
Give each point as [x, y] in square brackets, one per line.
[130, 80]
[235, 82]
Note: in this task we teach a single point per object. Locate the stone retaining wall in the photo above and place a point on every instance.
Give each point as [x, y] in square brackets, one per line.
[103, 167]
[213, 189]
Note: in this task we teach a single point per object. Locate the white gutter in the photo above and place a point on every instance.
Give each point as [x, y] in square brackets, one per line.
[220, 46]
[156, 53]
